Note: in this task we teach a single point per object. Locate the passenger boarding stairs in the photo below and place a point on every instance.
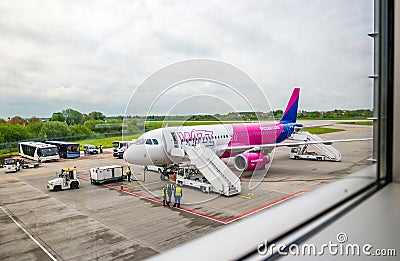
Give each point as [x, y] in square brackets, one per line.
[213, 169]
[327, 150]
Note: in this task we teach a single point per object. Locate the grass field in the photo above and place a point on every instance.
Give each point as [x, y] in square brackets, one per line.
[5, 154]
[158, 124]
[368, 123]
[106, 142]
[319, 130]
[152, 125]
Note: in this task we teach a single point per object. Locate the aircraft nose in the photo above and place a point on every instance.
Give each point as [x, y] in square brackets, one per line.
[130, 155]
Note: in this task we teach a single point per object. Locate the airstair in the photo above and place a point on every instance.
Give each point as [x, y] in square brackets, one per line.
[219, 175]
[326, 150]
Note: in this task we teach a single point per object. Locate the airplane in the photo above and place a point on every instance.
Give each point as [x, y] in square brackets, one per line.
[247, 142]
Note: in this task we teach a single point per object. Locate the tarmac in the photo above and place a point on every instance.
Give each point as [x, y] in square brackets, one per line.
[107, 222]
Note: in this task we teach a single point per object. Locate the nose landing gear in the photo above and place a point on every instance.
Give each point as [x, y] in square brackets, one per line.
[168, 171]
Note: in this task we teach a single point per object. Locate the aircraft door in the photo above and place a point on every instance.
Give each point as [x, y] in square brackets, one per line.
[169, 141]
[175, 140]
[172, 144]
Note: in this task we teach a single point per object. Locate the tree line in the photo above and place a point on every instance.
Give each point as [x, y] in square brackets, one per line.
[67, 123]
[72, 123]
[265, 116]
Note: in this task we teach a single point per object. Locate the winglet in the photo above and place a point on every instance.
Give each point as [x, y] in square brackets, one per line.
[290, 114]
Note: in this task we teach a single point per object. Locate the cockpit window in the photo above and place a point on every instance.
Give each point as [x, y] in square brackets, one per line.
[155, 142]
[139, 142]
[148, 142]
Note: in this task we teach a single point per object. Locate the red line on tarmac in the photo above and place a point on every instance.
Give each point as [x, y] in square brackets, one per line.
[223, 221]
[265, 206]
[133, 193]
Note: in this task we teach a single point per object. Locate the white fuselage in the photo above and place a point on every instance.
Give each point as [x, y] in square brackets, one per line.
[156, 147]
[153, 147]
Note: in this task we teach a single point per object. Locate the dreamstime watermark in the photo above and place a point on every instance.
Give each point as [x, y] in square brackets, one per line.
[340, 247]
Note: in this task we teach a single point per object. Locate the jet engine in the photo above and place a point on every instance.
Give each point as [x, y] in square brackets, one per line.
[251, 161]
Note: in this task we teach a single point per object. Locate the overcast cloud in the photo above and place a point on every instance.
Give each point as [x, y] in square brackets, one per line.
[91, 55]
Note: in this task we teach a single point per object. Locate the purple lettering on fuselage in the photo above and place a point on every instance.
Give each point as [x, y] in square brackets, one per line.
[196, 136]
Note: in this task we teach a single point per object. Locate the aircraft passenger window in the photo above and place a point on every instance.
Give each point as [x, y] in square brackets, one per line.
[155, 142]
[148, 141]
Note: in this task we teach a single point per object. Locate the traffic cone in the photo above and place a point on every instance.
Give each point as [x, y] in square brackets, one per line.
[121, 187]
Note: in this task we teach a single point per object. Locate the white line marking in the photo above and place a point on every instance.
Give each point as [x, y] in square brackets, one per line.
[26, 232]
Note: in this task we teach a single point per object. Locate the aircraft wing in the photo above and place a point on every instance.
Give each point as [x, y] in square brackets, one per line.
[289, 144]
[316, 126]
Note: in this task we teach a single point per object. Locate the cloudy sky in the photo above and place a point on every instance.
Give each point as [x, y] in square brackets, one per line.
[93, 55]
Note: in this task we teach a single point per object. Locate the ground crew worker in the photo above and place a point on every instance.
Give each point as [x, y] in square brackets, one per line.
[164, 195]
[64, 177]
[128, 173]
[177, 196]
[169, 192]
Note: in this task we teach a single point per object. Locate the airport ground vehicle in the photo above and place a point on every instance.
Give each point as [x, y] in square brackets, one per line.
[66, 150]
[90, 149]
[319, 151]
[11, 165]
[154, 168]
[302, 153]
[107, 174]
[119, 148]
[26, 164]
[66, 180]
[190, 176]
[38, 151]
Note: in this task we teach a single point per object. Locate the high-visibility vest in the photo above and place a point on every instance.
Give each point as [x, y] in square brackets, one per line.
[170, 187]
[178, 191]
[128, 171]
[163, 191]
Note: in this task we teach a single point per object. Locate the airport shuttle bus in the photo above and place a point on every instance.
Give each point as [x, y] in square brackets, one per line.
[66, 150]
[38, 151]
